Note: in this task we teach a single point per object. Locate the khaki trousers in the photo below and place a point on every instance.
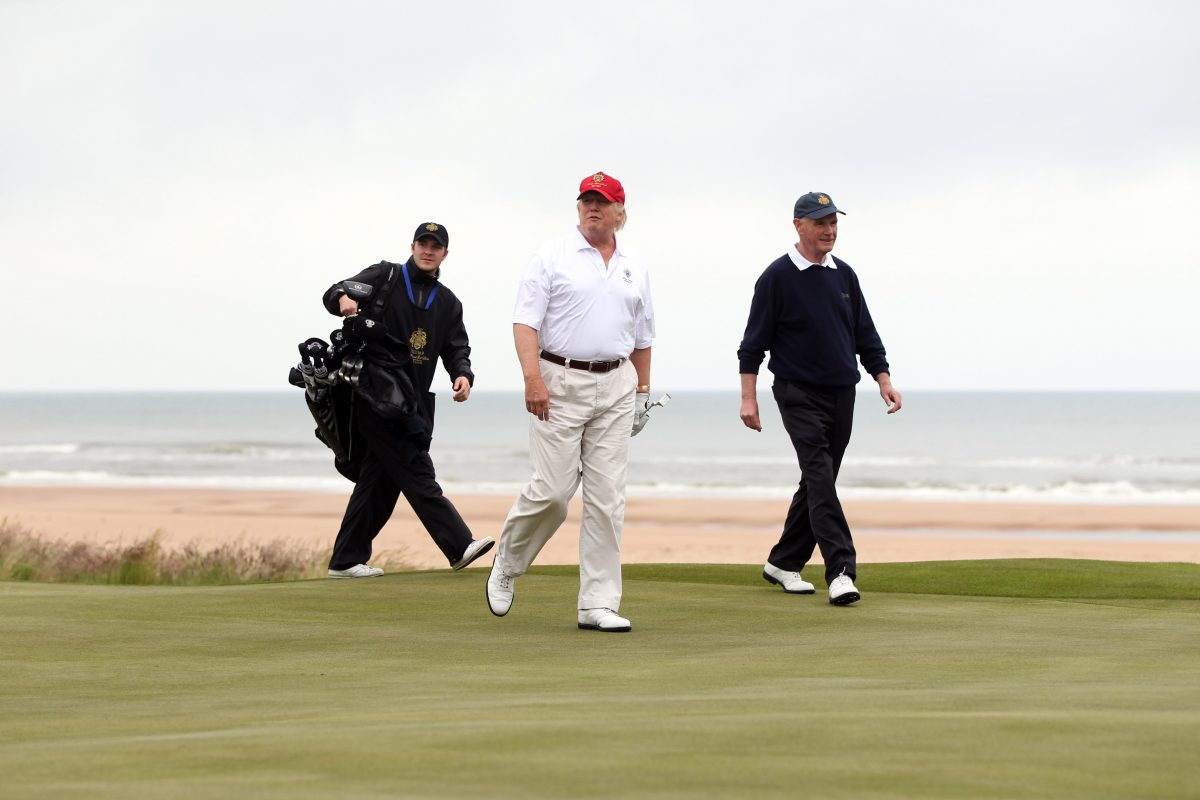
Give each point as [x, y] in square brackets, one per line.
[585, 442]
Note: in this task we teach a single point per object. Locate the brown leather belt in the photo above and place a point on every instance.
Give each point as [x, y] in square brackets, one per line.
[590, 366]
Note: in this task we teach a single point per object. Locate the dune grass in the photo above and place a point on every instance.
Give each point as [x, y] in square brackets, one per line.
[27, 556]
[1015, 685]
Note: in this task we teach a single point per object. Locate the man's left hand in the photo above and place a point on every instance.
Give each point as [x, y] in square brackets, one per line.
[889, 393]
[641, 412]
[462, 388]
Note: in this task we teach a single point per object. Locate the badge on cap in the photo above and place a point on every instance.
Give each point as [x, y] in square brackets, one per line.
[598, 177]
[432, 226]
[822, 199]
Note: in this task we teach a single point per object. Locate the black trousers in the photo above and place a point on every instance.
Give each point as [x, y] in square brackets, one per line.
[394, 464]
[818, 420]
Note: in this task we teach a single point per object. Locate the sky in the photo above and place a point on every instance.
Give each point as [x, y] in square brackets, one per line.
[180, 182]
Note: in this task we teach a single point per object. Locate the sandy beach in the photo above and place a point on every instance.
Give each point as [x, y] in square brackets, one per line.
[656, 531]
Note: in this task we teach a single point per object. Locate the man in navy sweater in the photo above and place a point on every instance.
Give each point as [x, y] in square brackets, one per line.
[809, 312]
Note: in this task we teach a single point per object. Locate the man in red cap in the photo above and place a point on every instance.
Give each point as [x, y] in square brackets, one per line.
[583, 326]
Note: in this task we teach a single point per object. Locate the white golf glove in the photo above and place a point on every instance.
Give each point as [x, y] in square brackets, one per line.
[641, 412]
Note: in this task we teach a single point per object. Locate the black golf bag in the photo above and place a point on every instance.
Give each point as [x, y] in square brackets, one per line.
[333, 373]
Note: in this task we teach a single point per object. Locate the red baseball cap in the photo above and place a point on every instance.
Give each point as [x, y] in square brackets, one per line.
[605, 184]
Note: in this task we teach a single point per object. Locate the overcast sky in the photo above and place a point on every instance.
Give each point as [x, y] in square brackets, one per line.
[179, 182]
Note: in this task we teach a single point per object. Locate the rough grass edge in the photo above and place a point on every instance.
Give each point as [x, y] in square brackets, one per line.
[1034, 578]
[27, 556]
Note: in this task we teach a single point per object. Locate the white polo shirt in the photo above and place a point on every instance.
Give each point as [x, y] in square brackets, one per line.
[582, 309]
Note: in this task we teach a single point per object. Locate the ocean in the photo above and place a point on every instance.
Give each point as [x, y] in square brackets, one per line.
[955, 446]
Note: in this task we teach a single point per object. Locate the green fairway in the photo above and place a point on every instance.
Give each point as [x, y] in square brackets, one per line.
[990, 679]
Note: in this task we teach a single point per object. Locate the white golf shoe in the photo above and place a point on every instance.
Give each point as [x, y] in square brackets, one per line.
[357, 571]
[791, 582]
[603, 619]
[474, 550]
[842, 591]
[499, 590]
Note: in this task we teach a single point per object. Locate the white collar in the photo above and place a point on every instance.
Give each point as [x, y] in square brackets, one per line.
[803, 263]
[581, 242]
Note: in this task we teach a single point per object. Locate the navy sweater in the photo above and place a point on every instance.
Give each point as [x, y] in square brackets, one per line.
[813, 321]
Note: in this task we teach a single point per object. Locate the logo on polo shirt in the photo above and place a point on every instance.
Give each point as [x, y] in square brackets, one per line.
[845, 295]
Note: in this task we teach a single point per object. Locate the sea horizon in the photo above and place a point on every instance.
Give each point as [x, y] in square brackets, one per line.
[958, 446]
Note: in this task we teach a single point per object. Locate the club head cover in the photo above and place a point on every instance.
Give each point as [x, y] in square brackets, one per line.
[314, 347]
[367, 329]
[358, 292]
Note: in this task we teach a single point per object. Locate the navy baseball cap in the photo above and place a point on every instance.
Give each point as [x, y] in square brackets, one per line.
[815, 205]
[432, 230]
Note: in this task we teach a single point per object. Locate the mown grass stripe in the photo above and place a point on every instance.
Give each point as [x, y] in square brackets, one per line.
[405, 686]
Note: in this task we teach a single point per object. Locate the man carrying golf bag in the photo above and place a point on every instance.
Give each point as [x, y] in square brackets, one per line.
[399, 320]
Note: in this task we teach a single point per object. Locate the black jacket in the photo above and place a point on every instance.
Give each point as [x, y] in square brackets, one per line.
[416, 336]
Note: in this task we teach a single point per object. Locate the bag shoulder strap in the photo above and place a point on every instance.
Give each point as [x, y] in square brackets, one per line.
[380, 301]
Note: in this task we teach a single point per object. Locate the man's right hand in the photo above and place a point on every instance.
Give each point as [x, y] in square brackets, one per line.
[537, 397]
[749, 414]
[347, 306]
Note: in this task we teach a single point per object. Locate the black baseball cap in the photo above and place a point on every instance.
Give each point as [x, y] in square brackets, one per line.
[815, 205]
[433, 230]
